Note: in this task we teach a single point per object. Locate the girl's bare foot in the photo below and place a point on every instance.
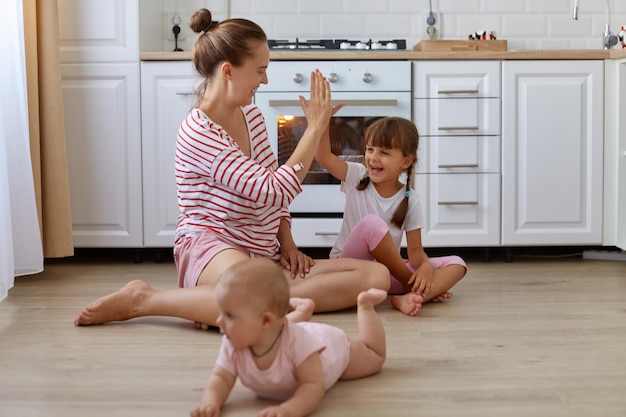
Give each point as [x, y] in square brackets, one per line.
[118, 306]
[370, 298]
[441, 297]
[302, 309]
[409, 303]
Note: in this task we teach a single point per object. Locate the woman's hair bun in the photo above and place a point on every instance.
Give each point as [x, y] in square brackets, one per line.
[201, 20]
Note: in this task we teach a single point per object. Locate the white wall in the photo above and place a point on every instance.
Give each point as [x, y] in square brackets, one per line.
[526, 24]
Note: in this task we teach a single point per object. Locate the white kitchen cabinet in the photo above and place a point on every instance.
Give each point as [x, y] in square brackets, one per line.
[98, 31]
[456, 109]
[167, 95]
[100, 85]
[552, 150]
[615, 154]
[102, 131]
[315, 232]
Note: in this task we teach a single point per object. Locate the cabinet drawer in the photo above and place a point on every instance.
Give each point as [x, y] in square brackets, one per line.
[447, 79]
[315, 232]
[459, 154]
[460, 209]
[454, 117]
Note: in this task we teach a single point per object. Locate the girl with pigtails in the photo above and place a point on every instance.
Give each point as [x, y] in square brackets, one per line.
[381, 205]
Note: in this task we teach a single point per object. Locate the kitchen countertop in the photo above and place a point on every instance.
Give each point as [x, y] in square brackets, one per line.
[413, 55]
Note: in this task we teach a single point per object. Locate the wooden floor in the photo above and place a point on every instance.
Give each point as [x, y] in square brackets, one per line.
[535, 337]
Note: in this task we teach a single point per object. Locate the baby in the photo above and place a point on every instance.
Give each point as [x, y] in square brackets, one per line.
[280, 355]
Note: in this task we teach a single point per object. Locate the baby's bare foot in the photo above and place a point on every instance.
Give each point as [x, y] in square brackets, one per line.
[409, 303]
[441, 297]
[118, 306]
[371, 297]
[302, 309]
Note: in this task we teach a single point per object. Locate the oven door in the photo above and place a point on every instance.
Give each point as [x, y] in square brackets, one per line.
[285, 124]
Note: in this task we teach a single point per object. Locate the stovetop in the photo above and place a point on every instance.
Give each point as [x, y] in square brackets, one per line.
[336, 44]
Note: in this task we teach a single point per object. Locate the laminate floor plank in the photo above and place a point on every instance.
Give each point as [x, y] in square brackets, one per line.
[540, 337]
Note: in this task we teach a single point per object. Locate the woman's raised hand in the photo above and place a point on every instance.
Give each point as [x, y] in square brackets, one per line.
[319, 108]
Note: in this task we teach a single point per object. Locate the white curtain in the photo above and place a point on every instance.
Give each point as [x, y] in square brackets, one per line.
[20, 240]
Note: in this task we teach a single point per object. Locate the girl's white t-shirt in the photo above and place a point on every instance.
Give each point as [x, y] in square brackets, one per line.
[362, 203]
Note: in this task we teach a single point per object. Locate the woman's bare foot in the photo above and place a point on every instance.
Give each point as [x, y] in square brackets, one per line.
[409, 303]
[118, 306]
[371, 298]
[302, 309]
[441, 297]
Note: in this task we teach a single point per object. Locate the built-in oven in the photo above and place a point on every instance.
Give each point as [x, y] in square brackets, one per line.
[369, 90]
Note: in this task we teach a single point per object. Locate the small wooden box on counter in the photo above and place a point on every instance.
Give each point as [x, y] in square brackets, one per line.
[460, 45]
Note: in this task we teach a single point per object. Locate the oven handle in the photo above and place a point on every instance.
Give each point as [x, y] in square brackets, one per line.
[354, 103]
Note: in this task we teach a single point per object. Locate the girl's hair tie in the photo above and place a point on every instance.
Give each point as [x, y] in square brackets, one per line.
[407, 194]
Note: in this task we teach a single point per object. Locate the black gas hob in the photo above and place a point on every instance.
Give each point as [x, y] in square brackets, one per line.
[336, 44]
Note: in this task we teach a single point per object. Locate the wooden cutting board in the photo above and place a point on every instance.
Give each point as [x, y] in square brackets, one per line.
[460, 45]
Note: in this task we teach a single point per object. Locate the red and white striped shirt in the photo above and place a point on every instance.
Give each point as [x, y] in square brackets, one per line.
[219, 188]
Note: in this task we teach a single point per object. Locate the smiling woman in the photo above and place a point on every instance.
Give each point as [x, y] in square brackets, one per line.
[233, 197]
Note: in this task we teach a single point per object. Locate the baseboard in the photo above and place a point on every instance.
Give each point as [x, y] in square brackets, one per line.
[604, 255]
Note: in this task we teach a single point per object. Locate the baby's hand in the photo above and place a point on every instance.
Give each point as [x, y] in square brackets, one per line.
[275, 411]
[206, 410]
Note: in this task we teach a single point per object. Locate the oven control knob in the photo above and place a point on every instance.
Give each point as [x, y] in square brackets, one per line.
[333, 77]
[367, 77]
[298, 78]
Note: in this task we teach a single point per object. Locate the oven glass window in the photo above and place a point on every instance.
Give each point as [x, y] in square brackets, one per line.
[346, 141]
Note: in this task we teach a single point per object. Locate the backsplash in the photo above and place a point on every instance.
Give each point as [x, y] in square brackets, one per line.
[525, 24]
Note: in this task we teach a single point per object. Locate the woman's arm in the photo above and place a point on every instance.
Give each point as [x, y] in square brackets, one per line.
[309, 393]
[215, 394]
[291, 258]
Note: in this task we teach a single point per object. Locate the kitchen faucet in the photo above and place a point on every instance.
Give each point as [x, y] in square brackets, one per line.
[608, 39]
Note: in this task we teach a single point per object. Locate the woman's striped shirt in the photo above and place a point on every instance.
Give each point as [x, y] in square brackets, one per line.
[219, 188]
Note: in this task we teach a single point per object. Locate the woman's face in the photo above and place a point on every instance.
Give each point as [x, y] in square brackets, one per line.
[248, 77]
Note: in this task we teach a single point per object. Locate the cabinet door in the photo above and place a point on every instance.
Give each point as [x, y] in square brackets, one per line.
[552, 141]
[98, 31]
[102, 126]
[620, 210]
[167, 95]
[615, 154]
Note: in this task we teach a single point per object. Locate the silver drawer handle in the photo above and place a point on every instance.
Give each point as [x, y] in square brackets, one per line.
[458, 128]
[458, 166]
[184, 93]
[458, 92]
[326, 233]
[457, 203]
[359, 103]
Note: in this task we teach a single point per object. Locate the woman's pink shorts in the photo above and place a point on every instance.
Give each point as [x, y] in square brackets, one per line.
[195, 252]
